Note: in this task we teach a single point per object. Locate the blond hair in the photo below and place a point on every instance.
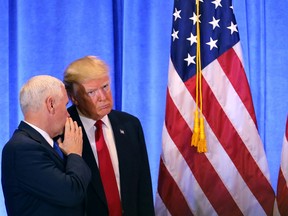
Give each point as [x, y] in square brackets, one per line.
[84, 69]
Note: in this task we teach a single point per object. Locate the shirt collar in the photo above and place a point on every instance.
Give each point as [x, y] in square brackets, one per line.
[90, 122]
[42, 132]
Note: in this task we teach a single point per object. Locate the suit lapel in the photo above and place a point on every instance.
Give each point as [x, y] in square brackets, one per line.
[119, 131]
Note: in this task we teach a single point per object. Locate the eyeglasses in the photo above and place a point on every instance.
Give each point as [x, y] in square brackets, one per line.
[105, 89]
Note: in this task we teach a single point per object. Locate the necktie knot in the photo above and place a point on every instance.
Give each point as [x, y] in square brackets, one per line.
[98, 133]
[98, 124]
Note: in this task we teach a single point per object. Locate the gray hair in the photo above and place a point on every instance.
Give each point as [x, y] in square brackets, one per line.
[35, 91]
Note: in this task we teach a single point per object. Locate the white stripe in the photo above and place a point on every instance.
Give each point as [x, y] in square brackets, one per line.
[238, 50]
[181, 97]
[225, 166]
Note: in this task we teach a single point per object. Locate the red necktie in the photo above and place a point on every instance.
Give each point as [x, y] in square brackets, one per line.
[107, 173]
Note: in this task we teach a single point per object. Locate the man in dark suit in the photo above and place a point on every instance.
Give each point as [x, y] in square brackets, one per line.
[36, 178]
[87, 82]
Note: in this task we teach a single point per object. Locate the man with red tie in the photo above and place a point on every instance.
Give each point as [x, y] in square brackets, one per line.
[113, 144]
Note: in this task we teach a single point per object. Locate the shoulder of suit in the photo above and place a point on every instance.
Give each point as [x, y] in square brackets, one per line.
[122, 115]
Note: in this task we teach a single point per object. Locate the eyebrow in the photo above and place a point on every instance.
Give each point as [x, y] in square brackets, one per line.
[94, 88]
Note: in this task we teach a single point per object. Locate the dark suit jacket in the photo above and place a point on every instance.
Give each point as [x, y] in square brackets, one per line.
[36, 181]
[135, 179]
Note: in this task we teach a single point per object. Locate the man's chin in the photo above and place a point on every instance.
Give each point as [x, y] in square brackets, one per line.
[96, 115]
[100, 115]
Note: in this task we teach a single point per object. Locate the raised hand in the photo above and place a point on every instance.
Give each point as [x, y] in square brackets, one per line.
[73, 142]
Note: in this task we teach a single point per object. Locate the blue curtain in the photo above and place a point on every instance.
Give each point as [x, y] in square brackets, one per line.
[133, 37]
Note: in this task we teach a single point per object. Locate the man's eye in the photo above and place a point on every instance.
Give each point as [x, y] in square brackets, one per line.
[106, 87]
[91, 93]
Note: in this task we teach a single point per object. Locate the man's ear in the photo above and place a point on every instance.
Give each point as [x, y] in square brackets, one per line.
[50, 104]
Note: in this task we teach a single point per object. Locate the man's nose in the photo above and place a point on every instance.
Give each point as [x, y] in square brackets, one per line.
[101, 95]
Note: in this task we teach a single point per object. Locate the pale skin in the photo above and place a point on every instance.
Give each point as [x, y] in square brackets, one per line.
[53, 118]
[72, 138]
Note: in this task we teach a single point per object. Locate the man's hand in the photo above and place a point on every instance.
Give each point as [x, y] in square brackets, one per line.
[73, 142]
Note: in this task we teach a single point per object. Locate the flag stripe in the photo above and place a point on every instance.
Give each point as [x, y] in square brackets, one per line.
[167, 187]
[198, 163]
[233, 68]
[233, 107]
[182, 174]
[161, 209]
[178, 90]
[261, 188]
[282, 188]
[282, 194]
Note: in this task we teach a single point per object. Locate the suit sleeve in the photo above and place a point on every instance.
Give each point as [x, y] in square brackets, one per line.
[40, 173]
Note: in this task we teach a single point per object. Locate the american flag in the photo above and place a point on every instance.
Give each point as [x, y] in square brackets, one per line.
[232, 177]
[282, 189]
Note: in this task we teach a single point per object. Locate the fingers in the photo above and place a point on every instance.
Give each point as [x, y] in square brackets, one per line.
[72, 126]
[67, 124]
[72, 142]
[80, 131]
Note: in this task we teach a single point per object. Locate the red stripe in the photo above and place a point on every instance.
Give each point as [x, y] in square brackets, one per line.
[282, 190]
[171, 194]
[203, 171]
[235, 148]
[234, 71]
[282, 194]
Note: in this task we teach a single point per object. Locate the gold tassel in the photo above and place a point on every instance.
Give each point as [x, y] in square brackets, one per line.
[202, 147]
[195, 136]
[198, 137]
